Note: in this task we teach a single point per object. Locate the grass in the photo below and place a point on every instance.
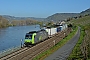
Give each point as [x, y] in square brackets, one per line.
[87, 40]
[76, 53]
[81, 21]
[85, 37]
[46, 53]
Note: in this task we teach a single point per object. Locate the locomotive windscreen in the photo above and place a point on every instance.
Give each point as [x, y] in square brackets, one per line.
[28, 36]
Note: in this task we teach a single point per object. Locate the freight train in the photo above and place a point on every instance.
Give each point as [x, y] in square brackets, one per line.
[34, 37]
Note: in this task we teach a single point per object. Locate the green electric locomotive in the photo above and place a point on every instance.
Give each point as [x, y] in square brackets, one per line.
[34, 37]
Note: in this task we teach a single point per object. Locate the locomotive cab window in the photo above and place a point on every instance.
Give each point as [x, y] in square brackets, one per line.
[28, 37]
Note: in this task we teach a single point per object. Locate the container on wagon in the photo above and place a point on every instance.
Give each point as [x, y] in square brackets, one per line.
[51, 31]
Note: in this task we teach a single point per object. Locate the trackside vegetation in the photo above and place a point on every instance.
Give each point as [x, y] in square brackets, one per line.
[82, 48]
[46, 53]
[76, 53]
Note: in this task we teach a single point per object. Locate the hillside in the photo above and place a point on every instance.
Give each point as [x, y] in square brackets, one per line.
[82, 21]
[54, 17]
[3, 22]
[64, 16]
[61, 16]
[86, 11]
[82, 49]
[8, 17]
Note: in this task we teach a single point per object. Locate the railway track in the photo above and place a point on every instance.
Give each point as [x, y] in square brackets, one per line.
[13, 54]
[27, 53]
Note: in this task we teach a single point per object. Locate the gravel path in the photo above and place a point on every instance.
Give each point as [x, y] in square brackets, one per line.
[64, 51]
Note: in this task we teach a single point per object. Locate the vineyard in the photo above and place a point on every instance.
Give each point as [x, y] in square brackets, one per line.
[82, 48]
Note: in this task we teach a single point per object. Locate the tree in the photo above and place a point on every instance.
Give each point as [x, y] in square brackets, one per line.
[3, 22]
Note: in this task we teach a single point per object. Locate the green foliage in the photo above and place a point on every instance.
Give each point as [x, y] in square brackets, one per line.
[3, 22]
[87, 28]
[40, 23]
[50, 24]
[76, 53]
[84, 22]
[6, 23]
[23, 22]
[81, 21]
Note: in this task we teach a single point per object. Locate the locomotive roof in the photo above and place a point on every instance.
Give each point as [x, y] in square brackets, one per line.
[31, 32]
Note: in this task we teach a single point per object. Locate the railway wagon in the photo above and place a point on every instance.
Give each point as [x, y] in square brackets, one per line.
[59, 28]
[34, 37]
[51, 31]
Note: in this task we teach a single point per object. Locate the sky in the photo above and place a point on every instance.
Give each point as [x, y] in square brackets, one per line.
[41, 8]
